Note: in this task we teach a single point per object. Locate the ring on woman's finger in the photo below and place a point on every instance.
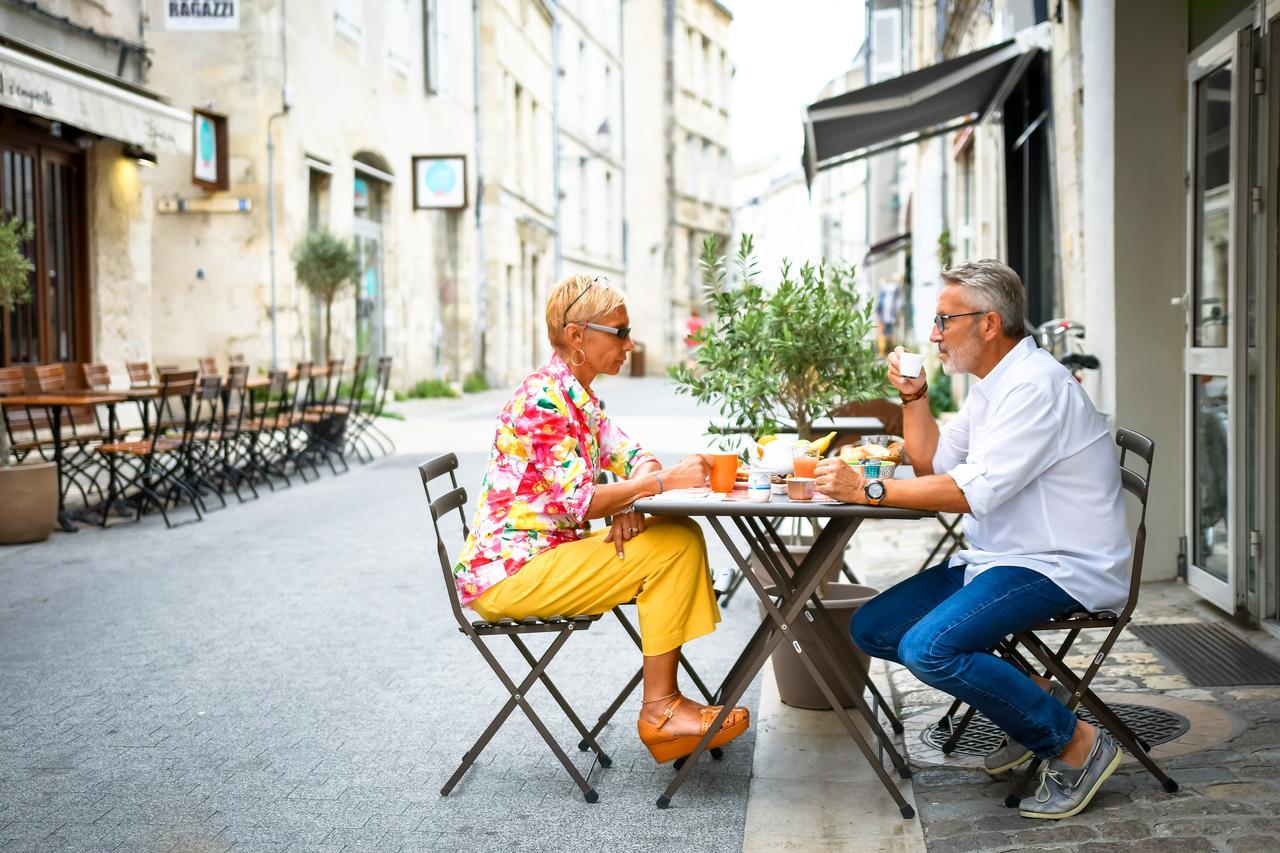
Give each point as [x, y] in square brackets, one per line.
[633, 531]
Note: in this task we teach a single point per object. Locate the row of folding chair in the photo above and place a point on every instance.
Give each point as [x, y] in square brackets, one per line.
[198, 437]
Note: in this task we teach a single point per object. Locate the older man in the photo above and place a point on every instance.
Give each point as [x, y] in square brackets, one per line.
[1030, 462]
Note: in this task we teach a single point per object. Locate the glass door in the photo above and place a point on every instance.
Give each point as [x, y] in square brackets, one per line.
[1219, 108]
[1264, 596]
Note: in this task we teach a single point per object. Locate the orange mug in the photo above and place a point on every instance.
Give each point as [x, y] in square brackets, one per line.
[805, 466]
[724, 468]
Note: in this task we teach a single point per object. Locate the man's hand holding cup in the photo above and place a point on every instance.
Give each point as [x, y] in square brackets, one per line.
[906, 371]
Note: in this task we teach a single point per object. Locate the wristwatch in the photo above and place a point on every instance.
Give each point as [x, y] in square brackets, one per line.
[874, 492]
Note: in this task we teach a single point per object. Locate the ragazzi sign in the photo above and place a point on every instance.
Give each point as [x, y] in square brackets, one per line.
[203, 15]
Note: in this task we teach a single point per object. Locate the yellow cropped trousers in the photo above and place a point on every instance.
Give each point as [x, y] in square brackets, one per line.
[664, 569]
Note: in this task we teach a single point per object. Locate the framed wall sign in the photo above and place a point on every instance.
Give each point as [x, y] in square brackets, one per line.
[440, 182]
[209, 151]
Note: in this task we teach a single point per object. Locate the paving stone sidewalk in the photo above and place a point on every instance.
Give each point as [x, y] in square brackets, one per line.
[287, 676]
[1228, 763]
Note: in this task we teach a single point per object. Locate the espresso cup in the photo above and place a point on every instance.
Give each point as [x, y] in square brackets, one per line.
[910, 364]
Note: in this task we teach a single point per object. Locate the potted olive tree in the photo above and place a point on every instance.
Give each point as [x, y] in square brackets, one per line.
[325, 266]
[28, 492]
[798, 350]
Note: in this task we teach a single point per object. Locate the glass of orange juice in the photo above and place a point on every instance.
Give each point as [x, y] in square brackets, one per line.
[804, 466]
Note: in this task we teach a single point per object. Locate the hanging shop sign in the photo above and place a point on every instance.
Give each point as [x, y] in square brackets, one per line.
[440, 182]
[209, 151]
[202, 15]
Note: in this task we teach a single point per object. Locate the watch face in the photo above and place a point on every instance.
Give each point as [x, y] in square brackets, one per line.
[875, 490]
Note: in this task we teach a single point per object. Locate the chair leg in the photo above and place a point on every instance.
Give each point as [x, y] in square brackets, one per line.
[605, 717]
[518, 694]
[587, 737]
[950, 745]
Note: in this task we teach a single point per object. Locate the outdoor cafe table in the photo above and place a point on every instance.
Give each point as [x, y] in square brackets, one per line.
[55, 403]
[790, 618]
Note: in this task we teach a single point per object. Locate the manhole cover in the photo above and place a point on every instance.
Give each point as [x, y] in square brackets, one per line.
[1152, 725]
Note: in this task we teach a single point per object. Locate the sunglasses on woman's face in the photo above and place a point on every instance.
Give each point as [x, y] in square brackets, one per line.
[621, 332]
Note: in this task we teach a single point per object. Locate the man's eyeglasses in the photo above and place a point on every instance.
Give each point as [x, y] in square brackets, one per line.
[600, 280]
[940, 320]
[622, 332]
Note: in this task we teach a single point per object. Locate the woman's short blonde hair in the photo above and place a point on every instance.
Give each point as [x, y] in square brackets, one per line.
[578, 298]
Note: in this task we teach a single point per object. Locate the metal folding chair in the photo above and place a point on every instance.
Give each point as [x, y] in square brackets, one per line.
[562, 627]
[1053, 661]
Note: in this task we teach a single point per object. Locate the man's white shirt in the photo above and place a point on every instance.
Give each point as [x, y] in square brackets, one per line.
[1042, 478]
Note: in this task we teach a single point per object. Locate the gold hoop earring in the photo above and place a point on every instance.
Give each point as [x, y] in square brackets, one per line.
[577, 352]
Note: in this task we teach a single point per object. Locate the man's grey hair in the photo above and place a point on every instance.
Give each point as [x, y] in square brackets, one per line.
[991, 285]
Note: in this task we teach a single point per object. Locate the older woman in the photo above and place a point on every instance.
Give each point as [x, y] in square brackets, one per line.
[530, 552]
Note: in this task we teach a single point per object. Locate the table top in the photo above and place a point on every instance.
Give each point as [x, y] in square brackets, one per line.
[64, 398]
[777, 506]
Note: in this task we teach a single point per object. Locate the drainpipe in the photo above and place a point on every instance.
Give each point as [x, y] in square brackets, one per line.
[271, 175]
[481, 285]
[555, 134]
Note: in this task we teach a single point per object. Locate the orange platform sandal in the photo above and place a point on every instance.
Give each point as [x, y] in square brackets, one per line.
[664, 747]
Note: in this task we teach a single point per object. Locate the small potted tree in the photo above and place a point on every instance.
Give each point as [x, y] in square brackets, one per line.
[798, 351]
[325, 266]
[28, 492]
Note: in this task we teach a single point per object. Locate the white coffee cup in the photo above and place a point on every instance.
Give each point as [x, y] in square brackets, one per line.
[910, 364]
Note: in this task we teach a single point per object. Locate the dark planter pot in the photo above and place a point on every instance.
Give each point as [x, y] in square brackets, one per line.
[795, 686]
[28, 502]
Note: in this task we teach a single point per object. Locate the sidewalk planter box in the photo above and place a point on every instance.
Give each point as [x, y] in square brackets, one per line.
[28, 502]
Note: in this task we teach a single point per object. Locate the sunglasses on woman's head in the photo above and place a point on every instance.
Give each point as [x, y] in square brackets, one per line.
[597, 279]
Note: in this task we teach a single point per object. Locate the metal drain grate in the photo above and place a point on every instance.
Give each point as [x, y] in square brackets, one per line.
[1210, 655]
[1151, 725]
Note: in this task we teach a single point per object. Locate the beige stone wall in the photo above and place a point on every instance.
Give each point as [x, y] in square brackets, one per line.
[120, 216]
[119, 18]
[592, 169]
[679, 197]
[352, 94]
[518, 206]
[649, 290]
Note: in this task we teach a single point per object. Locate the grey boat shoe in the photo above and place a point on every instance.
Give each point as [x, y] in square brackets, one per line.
[1065, 790]
[1010, 754]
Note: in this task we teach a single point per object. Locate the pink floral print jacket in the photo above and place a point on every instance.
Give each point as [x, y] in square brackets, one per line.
[553, 439]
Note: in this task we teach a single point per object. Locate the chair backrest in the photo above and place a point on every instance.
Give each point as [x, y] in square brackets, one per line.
[453, 498]
[303, 387]
[359, 374]
[236, 401]
[49, 378]
[238, 358]
[208, 365]
[139, 373]
[13, 380]
[333, 382]
[173, 403]
[383, 383]
[97, 377]
[1137, 450]
[205, 412]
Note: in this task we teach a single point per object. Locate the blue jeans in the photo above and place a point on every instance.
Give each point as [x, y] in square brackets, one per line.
[943, 632]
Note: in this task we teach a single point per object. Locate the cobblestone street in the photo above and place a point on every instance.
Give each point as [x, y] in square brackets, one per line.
[287, 676]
